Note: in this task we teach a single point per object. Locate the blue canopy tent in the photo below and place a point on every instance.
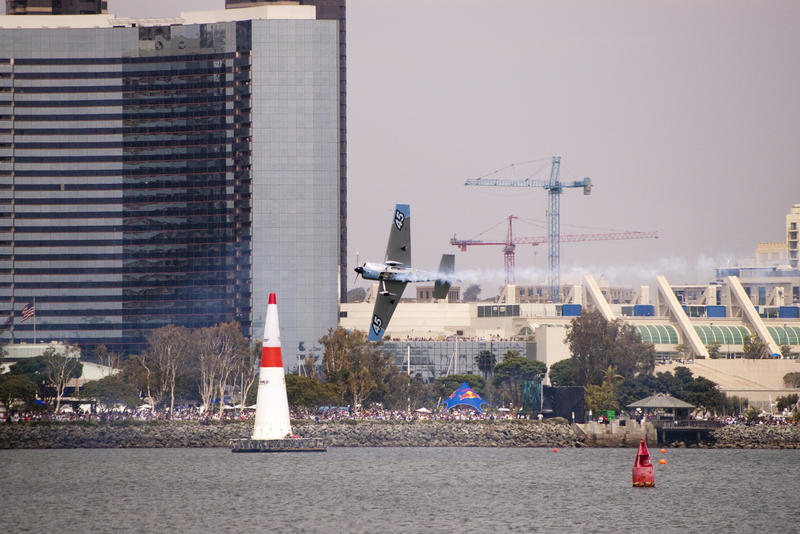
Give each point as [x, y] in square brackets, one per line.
[464, 396]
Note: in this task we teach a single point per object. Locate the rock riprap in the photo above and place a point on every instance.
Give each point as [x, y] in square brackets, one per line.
[346, 433]
[350, 433]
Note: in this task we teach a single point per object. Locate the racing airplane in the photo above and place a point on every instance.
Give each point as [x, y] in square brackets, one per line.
[395, 272]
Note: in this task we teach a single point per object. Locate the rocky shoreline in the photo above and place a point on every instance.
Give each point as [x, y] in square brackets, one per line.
[348, 433]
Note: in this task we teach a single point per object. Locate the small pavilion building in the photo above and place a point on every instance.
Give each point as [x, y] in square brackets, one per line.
[663, 406]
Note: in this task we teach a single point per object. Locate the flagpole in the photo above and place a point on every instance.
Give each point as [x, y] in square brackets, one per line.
[34, 320]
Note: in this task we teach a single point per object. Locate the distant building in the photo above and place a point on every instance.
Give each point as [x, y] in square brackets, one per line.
[771, 254]
[56, 7]
[170, 171]
[774, 281]
[328, 10]
[429, 360]
[792, 229]
[425, 294]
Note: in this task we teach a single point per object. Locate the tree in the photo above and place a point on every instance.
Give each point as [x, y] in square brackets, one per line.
[754, 348]
[597, 398]
[595, 343]
[611, 378]
[792, 380]
[486, 361]
[633, 389]
[59, 370]
[683, 351]
[143, 371]
[509, 376]
[786, 351]
[219, 349]
[306, 392]
[787, 401]
[104, 357]
[29, 366]
[357, 294]
[704, 393]
[111, 390]
[249, 369]
[513, 353]
[34, 370]
[471, 293]
[16, 387]
[337, 345]
[562, 374]
[310, 364]
[698, 391]
[713, 350]
[752, 415]
[354, 365]
[420, 394]
[391, 383]
[169, 347]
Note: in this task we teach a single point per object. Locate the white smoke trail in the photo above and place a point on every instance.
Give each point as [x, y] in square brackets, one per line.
[677, 269]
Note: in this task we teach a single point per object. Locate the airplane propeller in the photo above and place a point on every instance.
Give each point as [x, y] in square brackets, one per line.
[359, 270]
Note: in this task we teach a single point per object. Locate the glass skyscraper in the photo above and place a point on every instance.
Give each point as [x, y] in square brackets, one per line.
[169, 172]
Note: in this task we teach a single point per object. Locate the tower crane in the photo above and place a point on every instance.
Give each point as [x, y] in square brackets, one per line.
[511, 242]
[554, 188]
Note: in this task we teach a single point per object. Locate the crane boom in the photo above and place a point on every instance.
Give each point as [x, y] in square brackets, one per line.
[510, 243]
[554, 187]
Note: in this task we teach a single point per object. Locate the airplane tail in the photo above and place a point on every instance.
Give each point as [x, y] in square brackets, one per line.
[446, 267]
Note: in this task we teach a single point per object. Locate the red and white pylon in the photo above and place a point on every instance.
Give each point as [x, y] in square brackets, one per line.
[272, 405]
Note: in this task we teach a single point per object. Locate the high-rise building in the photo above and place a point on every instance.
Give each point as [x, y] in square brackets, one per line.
[792, 231]
[328, 10]
[56, 7]
[172, 171]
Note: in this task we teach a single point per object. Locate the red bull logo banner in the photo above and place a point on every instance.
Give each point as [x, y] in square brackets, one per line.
[464, 396]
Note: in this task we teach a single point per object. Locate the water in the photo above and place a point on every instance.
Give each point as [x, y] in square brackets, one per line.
[396, 490]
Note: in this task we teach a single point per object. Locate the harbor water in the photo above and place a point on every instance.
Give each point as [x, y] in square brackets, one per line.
[397, 490]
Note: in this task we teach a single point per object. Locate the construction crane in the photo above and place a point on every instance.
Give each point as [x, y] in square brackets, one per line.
[554, 188]
[511, 242]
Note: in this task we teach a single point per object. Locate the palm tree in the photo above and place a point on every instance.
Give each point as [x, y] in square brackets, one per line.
[611, 378]
[486, 362]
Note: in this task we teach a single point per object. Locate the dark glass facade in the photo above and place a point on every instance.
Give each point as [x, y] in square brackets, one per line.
[429, 360]
[56, 7]
[129, 193]
[329, 10]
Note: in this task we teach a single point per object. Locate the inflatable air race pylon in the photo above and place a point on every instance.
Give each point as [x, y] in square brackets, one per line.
[272, 430]
[272, 406]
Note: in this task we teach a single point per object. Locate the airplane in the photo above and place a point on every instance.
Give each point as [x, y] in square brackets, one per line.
[395, 272]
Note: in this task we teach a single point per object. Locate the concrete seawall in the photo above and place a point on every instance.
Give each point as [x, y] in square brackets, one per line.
[616, 434]
[518, 433]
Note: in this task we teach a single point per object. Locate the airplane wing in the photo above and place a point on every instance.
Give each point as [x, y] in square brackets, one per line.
[399, 247]
[384, 308]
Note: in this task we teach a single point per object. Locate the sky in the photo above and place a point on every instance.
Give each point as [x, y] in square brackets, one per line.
[685, 115]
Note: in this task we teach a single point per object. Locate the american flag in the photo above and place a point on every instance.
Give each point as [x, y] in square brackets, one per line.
[28, 311]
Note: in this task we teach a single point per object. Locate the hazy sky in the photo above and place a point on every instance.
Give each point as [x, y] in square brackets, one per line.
[684, 114]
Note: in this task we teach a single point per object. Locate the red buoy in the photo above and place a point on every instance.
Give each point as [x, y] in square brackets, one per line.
[642, 468]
